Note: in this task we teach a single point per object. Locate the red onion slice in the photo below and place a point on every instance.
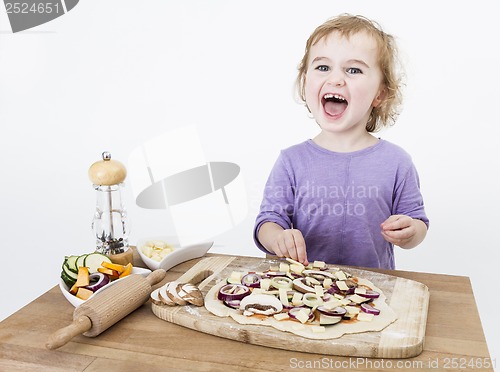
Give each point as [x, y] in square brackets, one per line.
[293, 311]
[235, 304]
[97, 281]
[333, 289]
[369, 309]
[336, 311]
[251, 280]
[231, 292]
[326, 297]
[370, 294]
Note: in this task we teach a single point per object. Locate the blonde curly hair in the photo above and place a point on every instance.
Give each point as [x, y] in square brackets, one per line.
[346, 25]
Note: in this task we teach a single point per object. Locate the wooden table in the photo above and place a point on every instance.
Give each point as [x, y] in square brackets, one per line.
[454, 339]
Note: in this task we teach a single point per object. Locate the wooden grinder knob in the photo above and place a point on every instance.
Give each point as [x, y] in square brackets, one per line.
[107, 172]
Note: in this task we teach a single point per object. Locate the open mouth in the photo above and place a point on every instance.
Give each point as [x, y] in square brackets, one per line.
[334, 104]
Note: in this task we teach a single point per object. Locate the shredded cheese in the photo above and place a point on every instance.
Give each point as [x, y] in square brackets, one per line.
[341, 285]
[281, 316]
[364, 317]
[284, 267]
[340, 275]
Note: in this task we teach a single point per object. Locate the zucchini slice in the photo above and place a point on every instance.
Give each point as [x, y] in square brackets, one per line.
[67, 280]
[69, 273]
[94, 260]
[80, 261]
[71, 262]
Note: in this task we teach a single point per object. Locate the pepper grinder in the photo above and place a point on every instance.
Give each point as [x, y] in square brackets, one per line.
[110, 224]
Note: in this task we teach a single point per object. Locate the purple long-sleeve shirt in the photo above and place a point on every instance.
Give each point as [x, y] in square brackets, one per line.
[338, 200]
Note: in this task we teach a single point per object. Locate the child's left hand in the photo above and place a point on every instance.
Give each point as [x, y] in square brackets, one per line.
[401, 230]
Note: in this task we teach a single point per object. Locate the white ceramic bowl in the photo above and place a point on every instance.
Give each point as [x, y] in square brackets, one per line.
[179, 254]
[75, 301]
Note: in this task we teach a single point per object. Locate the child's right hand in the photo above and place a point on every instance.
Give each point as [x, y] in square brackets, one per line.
[290, 243]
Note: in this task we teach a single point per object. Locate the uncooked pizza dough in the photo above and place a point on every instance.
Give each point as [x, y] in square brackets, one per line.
[312, 329]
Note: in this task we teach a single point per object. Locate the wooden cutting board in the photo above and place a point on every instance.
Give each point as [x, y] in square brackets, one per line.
[402, 339]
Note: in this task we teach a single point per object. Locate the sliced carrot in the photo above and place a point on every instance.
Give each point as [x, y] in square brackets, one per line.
[84, 293]
[83, 277]
[73, 289]
[127, 271]
[113, 274]
[113, 266]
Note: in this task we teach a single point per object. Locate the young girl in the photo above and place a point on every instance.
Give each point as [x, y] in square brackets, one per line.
[346, 196]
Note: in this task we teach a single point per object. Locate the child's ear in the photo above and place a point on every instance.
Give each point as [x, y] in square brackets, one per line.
[380, 97]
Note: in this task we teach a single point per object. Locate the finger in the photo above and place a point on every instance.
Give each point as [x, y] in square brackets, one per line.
[390, 239]
[289, 242]
[280, 249]
[292, 249]
[397, 237]
[390, 219]
[396, 223]
[300, 246]
[282, 245]
[388, 224]
[399, 234]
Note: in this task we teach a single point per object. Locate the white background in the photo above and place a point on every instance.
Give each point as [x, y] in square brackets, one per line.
[111, 74]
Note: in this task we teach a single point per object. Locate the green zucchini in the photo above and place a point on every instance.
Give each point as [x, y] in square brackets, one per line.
[71, 263]
[94, 261]
[67, 280]
[80, 261]
[70, 274]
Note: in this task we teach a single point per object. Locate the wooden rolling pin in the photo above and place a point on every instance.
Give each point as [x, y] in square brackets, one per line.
[99, 313]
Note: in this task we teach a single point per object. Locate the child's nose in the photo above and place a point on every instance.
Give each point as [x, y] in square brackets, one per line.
[336, 78]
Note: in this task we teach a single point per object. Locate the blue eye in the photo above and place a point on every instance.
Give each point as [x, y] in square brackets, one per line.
[354, 70]
[323, 68]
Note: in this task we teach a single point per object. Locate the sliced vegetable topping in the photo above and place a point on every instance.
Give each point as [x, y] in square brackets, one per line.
[83, 277]
[127, 271]
[235, 304]
[94, 260]
[97, 281]
[319, 274]
[369, 309]
[275, 273]
[370, 294]
[281, 282]
[233, 292]
[84, 293]
[329, 320]
[300, 285]
[251, 280]
[83, 280]
[71, 263]
[336, 311]
[312, 300]
[292, 291]
[261, 304]
[302, 314]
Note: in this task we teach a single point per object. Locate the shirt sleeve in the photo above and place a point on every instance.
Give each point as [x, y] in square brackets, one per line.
[408, 199]
[278, 201]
